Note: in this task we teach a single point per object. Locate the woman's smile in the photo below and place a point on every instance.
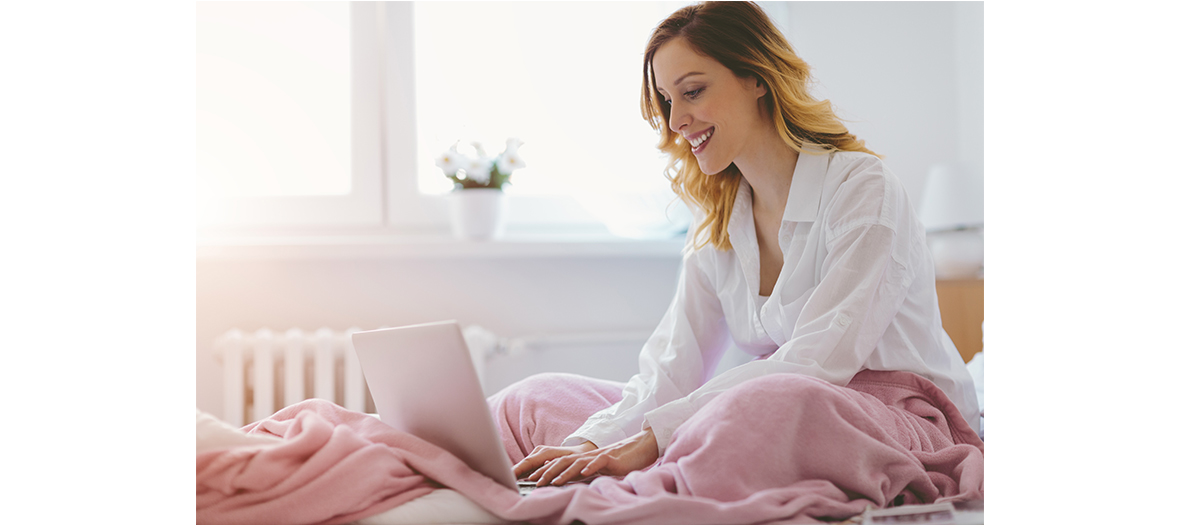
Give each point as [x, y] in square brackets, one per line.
[700, 140]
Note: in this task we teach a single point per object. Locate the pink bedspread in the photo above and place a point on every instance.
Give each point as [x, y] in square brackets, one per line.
[778, 449]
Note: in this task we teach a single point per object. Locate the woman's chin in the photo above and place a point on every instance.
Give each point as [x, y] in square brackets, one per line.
[709, 169]
[710, 165]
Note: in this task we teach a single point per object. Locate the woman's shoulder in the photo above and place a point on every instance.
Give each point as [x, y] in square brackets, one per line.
[858, 165]
[859, 188]
[855, 171]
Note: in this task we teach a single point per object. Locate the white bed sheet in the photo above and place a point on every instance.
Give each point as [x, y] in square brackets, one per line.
[441, 507]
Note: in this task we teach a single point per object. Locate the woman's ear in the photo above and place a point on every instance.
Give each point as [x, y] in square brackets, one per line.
[756, 83]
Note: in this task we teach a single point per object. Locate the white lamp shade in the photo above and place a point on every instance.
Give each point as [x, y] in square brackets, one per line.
[957, 254]
[953, 197]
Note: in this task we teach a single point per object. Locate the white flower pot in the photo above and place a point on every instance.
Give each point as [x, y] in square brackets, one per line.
[477, 213]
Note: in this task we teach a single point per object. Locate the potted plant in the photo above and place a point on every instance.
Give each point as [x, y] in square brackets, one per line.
[477, 201]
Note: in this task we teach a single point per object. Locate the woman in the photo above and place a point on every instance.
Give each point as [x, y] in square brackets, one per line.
[805, 252]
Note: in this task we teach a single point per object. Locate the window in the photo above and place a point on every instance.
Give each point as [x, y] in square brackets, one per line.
[288, 114]
[314, 114]
[561, 76]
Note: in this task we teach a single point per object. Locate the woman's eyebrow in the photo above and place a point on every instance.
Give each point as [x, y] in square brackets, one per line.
[682, 77]
[679, 80]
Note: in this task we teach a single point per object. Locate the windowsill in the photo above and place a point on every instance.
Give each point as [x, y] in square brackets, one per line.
[406, 246]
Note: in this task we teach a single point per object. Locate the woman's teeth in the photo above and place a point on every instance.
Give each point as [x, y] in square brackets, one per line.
[701, 139]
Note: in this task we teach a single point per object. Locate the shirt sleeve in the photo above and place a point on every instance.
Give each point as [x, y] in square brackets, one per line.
[861, 286]
[682, 352]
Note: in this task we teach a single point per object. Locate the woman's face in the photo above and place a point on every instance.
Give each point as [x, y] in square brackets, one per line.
[716, 112]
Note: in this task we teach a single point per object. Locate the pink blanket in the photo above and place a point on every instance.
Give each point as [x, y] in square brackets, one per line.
[782, 448]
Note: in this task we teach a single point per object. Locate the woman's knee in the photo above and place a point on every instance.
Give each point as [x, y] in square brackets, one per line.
[778, 393]
[801, 385]
[559, 392]
[795, 385]
[540, 383]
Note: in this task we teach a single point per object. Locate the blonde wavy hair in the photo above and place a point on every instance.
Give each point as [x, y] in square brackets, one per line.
[741, 37]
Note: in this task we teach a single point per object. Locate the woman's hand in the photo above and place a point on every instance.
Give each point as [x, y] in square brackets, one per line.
[560, 465]
[542, 455]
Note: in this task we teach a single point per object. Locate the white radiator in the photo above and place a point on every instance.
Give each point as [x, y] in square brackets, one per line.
[261, 368]
[263, 371]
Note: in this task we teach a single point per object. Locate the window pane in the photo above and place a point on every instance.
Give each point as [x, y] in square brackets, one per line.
[563, 77]
[273, 103]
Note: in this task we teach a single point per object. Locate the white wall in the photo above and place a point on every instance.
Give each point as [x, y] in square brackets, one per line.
[969, 84]
[907, 76]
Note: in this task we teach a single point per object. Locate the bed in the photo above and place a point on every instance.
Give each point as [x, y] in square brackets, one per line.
[455, 495]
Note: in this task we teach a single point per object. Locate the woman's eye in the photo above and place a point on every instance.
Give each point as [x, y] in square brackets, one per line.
[694, 93]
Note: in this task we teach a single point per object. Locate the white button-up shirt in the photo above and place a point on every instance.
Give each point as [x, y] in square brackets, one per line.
[856, 292]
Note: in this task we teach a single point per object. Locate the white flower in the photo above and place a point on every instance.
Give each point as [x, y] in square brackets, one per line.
[479, 150]
[479, 170]
[508, 162]
[513, 144]
[451, 161]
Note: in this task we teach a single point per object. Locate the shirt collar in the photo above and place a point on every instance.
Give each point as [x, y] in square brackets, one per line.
[742, 236]
[802, 205]
[807, 185]
[741, 217]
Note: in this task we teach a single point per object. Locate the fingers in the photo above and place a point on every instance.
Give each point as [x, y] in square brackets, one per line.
[595, 465]
[581, 468]
[539, 457]
[560, 465]
[530, 462]
[562, 470]
[547, 471]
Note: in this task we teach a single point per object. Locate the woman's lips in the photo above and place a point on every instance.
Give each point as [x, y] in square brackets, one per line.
[697, 150]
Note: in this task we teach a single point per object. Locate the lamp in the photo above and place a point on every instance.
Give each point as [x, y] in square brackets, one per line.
[952, 211]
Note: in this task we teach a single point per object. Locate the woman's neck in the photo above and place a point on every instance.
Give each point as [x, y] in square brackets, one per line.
[769, 165]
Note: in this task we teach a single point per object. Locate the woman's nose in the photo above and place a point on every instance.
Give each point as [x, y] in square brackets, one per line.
[678, 118]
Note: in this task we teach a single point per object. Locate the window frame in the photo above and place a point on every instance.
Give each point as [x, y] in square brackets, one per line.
[362, 206]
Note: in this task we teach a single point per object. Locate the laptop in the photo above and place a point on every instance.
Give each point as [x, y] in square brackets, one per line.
[423, 383]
